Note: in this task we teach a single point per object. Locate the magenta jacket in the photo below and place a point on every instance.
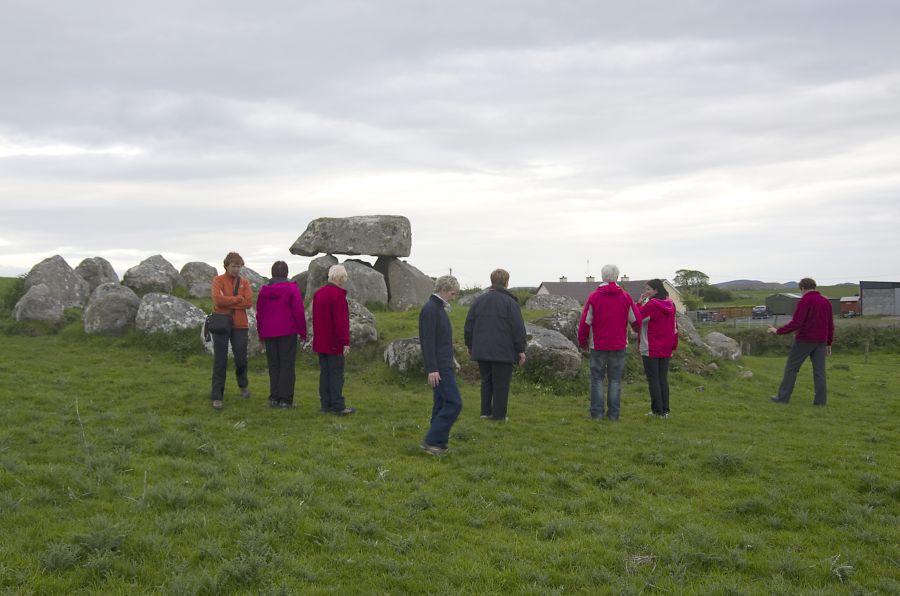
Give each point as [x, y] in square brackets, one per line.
[659, 328]
[279, 310]
[813, 319]
[607, 313]
[331, 320]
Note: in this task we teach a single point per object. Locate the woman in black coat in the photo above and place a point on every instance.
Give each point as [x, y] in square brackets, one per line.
[495, 337]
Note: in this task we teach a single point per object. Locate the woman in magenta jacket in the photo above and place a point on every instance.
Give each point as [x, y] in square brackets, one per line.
[658, 339]
[279, 320]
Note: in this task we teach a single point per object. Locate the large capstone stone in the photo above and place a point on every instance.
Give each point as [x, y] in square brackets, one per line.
[198, 278]
[97, 271]
[111, 310]
[723, 346]
[153, 275]
[550, 355]
[552, 302]
[405, 355]
[317, 274]
[407, 286]
[256, 280]
[163, 313]
[377, 235]
[565, 322]
[364, 283]
[254, 345]
[362, 324]
[38, 304]
[61, 280]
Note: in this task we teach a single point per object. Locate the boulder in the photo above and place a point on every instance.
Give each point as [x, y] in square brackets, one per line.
[407, 286]
[468, 299]
[686, 329]
[405, 355]
[377, 235]
[61, 280]
[552, 302]
[256, 280]
[300, 279]
[362, 324]
[317, 274]
[723, 346]
[254, 345]
[550, 355]
[565, 322]
[198, 278]
[364, 284]
[38, 304]
[155, 275]
[111, 310]
[97, 271]
[164, 313]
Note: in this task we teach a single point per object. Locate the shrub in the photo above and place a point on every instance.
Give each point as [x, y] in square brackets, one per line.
[715, 294]
[12, 295]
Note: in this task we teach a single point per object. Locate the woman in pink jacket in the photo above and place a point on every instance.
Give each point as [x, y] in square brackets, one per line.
[280, 319]
[658, 339]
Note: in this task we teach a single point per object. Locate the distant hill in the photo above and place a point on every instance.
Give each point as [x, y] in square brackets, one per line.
[754, 284]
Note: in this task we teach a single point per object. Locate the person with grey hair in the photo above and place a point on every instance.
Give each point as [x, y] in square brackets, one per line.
[436, 338]
[495, 336]
[331, 340]
[607, 313]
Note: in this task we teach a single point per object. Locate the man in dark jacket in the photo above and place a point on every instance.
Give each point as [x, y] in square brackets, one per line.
[814, 323]
[495, 337]
[436, 337]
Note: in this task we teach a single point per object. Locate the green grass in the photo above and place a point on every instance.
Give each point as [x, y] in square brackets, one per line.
[117, 477]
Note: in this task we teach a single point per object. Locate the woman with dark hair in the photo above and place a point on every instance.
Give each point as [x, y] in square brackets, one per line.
[658, 339]
[231, 295]
[279, 320]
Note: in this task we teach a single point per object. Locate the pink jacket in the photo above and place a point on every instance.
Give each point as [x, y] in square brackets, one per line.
[607, 313]
[279, 310]
[659, 328]
[331, 320]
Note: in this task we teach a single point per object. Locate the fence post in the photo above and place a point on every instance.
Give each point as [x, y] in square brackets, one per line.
[867, 351]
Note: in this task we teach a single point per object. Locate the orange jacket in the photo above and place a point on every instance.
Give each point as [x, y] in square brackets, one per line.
[224, 299]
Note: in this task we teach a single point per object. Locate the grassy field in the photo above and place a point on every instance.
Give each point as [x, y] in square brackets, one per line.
[756, 297]
[117, 477]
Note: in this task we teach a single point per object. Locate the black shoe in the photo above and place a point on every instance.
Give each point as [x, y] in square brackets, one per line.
[777, 400]
[245, 392]
[344, 412]
[273, 403]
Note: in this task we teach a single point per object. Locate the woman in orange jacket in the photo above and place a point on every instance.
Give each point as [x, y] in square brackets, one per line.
[231, 294]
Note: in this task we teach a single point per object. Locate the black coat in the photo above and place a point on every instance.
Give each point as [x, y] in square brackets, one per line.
[495, 330]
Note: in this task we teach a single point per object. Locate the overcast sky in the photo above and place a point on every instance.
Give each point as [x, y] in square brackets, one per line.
[755, 140]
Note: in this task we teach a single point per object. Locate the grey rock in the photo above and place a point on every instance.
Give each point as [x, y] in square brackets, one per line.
[468, 299]
[377, 235]
[164, 313]
[723, 346]
[552, 302]
[364, 283]
[97, 271]
[39, 303]
[407, 286]
[154, 274]
[686, 329]
[405, 355]
[745, 374]
[61, 280]
[198, 278]
[565, 322]
[362, 324]
[256, 280]
[254, 345]
[300, 279]
[111, 310]
[317, 274]
[550, 355]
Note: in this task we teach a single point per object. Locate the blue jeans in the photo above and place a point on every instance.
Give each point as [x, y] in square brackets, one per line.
[603, 362]
[446, 409]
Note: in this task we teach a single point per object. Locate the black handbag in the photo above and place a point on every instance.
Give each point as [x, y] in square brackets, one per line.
[220, 323]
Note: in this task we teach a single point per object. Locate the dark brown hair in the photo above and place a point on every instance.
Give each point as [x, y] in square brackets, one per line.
[234, 257]
[807, 283]
[661, 291]
[279, 269]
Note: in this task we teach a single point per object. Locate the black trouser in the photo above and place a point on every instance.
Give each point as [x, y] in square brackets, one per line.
[495, 380]
[238, 338]
[281, 354]
[331, 382]
[657, 371]
[799, 352]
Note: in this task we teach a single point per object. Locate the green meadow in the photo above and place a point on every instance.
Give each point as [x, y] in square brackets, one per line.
[117, 477]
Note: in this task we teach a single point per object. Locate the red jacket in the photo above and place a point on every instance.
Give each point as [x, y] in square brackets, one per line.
[331, 320]
[813, 319]
[224, 300]
[279, 310]
[659, 328]
[607, 313]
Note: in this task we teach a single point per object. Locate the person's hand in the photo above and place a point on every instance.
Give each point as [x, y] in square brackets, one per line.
[521, 358]
[346, 350]
[828, 350]
[434, 379]
[773, 330]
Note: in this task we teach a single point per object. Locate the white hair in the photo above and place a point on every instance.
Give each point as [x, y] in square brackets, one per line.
[337, 274]
[446, 283]
[609, 273]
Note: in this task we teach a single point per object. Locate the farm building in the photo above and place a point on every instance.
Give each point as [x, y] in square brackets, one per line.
[580, 290]
[879, 297]
[784, 304]
[850, 306]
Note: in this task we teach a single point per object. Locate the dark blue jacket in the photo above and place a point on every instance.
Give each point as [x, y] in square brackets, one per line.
[436, 336]
[495, 330]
